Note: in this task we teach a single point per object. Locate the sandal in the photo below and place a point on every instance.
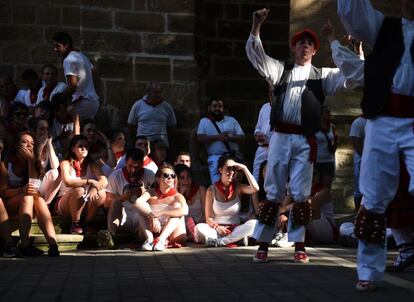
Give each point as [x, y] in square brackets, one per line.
[365, 286]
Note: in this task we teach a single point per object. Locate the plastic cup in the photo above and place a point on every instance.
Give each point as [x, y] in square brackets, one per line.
[35, 183]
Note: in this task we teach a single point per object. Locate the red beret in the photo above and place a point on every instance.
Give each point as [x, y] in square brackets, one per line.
[305, 32]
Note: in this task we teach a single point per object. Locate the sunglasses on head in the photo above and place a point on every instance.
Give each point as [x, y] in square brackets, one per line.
[168, 175]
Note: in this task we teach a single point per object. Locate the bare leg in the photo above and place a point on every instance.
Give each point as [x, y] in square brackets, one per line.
[73, 204]
[145, 229]
[25, 220]
[4, 224]
[169, 228]
[45, 220]
[93, 207]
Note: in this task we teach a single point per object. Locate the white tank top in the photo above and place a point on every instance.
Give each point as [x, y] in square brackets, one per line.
[64, 189]
[226, 212]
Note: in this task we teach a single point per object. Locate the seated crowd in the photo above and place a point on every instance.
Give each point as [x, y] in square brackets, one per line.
[56, 161]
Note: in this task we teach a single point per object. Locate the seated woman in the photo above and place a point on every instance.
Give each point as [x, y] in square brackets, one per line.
[117, 140]
[21, 196]
[82, 186]
[166, 221]
[44, 148]
[195, 196]
[223, 225]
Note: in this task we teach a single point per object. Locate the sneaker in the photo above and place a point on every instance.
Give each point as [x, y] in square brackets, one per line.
[30, 251]
[10, 251]
[105, 239]
[53, 251]
[401, 263]
[281, 240]
[260, 256]
[76, 228]
[301, 257]
[159, 245]
[365, 286]
[147, 245]
[211, 242]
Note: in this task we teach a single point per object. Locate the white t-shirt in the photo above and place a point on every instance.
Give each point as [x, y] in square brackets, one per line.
[23, 96]
[77, 64]
[152, 121]
[151, 165]
[227, 124]
[263, 122]
[60, 86]
[117, 181]
[323, 155]
[358, 130]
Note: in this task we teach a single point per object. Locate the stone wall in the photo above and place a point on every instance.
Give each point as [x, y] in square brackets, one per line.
[129, 42]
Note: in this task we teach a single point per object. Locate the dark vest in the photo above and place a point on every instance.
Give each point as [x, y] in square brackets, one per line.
[311, 103]
[381, 65]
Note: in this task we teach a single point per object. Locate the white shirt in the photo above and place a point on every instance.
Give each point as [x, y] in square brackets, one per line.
[358, 130]
[152, 121]
[332, 78]
[60, 86]
[363, 22]
[263, 122]
[150, 166]
[227, 124]
[77, 64]
[23, 96]
[117, 181]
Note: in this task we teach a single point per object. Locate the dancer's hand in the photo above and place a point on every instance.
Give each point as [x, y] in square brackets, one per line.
[260, 15]
[328, 31]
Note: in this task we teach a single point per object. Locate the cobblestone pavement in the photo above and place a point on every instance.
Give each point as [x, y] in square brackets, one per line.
[196, 274]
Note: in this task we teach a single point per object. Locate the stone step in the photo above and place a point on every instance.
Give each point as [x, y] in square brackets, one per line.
[66, 242]
[61, 226]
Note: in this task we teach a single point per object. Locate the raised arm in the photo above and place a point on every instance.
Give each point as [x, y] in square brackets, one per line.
[360, 19]
[268, 67]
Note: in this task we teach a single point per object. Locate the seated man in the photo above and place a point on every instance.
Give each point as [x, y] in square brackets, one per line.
[33, 83]
[52, 86]
[142, 143]
[183, 158]
[166, 221]
[126, 193]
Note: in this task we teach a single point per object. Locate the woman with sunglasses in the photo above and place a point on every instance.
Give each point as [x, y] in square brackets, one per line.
[223, 226]
[19, 180]
[195, 196]
[166, 221]
[82, 186]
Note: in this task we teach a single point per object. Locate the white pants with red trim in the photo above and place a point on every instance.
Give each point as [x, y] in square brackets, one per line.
[203, 231]
[386, 140]
[259, 157]
[288, 160]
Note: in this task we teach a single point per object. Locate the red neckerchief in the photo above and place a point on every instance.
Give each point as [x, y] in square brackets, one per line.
[78, 168]
[47, 92]
[193, 191]
[119, 154]
[161, 195]
[147, 161]
[128, 177]
[227, 192]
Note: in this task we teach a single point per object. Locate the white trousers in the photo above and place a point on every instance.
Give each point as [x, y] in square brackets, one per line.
[259, 157]
[386, 140]
[213, 168]
[203, 231]
[288, 158]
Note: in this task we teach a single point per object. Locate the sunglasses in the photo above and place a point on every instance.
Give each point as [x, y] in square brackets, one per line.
[20, 114]
[168, 175]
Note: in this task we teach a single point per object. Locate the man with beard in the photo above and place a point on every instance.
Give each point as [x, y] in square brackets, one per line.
[52, 86]
[126, 192]
[152, 116]
[388, 104]
[300, 91]
[220, 134]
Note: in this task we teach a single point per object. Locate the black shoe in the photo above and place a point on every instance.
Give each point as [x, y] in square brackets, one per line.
[30, 251]
[53, 250]
[10, 251]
